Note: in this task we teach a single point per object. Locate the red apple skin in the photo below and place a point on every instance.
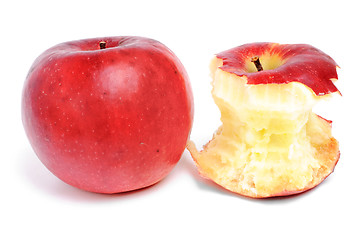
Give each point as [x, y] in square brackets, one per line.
[301, 63]
[108, 120]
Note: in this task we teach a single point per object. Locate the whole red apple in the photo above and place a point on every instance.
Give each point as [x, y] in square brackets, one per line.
[110, 114]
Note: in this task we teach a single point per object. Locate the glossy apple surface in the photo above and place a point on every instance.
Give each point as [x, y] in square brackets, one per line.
[108, 114]
[286, 63]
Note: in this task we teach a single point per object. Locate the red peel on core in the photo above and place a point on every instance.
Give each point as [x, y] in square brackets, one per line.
[307, 65]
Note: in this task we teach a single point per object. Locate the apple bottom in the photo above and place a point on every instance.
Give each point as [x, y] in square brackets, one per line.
[111, 172]
[264, 177]
[119, 176]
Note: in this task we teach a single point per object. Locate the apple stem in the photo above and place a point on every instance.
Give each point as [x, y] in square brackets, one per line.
[257, 63]
[102, 45]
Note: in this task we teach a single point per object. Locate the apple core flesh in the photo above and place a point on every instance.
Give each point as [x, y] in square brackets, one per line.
[270, 142]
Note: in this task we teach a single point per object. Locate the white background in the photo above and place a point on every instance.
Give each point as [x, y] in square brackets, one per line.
[34, 204]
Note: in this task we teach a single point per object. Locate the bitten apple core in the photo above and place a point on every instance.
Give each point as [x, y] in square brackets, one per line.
[270, 142]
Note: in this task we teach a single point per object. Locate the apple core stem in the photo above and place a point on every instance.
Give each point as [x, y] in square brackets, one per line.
[102, 45]
[257, 63]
